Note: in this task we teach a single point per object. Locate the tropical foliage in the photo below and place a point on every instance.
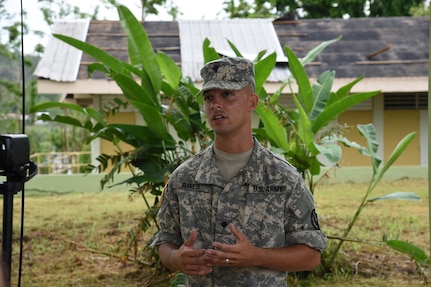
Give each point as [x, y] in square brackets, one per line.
[143, 81]
[307, 136]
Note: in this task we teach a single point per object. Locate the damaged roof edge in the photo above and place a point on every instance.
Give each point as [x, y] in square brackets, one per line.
[60, 61]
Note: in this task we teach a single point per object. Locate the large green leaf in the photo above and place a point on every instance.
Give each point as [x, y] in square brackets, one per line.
[369, 132]
[168, 91]
[188, 88]
[209, 52]
[344, 91]
[332, 111]
[304, 128]
[182, 126]
[93, 67]
[352, 144]
[234, 49]
[398, 150]
[171, 72]
[63, 120]
[321, 93]
[314, 165]
[139, 136]
[331, 152]
[183, 101]
[317, 50]
[93, 114]
[50, 105]
[305, 93]
[133, 91]
[263, 69]
[397, 195]
[99, 54]
[153, 118]
[274, 131]
[142, 44]
[413, 251]
[134, 57]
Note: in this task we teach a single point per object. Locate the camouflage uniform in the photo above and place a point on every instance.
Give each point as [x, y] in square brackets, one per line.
[267, 201]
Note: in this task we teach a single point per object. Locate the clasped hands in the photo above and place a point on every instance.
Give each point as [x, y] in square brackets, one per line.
[198, 262]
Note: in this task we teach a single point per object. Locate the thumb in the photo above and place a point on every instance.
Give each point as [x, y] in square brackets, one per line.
[191, 241]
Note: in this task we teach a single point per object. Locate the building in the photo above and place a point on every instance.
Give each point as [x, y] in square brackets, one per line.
[391, 53]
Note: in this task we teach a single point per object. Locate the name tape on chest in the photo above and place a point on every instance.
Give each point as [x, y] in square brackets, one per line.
[269, 188]
[255, 188]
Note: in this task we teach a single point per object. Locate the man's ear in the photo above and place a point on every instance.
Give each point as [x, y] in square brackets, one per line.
[254, 100]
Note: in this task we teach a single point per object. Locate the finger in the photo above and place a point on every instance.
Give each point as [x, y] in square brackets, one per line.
[219, 248]
[236, 232]
[218, 258]
[191, 240]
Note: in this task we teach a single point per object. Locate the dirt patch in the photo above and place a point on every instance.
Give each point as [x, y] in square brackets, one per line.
[384, 266]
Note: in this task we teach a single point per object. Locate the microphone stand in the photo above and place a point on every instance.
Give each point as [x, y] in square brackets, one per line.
[14, 183]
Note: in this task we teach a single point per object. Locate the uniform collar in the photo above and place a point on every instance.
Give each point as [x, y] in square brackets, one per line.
[208, 172]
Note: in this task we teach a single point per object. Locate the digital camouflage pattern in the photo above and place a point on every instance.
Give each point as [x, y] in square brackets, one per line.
[227, 74]
[268, 201]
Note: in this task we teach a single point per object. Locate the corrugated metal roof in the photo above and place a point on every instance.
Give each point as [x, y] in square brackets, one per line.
[111, 38]
[61, 61]
[250, 36]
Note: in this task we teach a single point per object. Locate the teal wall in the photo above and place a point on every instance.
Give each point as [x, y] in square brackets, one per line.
[79, 183]
[363, 174]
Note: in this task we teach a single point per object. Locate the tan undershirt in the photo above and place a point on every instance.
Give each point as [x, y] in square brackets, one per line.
[231, 163]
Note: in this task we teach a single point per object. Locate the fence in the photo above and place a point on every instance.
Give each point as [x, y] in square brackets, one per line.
[61, 162]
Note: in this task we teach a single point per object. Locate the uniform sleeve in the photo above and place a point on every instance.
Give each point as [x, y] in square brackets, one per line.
[168, 219]
[302, 224]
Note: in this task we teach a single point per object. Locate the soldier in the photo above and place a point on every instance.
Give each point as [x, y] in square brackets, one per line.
[235, 214]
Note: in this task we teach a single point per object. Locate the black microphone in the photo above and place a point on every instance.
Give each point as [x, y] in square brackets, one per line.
[224, 224]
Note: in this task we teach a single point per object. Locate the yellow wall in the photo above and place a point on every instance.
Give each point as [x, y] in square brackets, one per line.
[107, 147]
[399, 123]
[350, 156]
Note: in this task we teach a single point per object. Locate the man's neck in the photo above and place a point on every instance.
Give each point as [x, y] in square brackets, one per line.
[237, 144]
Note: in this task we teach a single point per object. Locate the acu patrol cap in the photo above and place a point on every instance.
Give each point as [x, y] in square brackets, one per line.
[230, 73]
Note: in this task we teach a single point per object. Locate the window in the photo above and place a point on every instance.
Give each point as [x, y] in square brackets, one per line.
[407, 101]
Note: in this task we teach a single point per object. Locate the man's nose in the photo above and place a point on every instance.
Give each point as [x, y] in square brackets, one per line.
[216, 102]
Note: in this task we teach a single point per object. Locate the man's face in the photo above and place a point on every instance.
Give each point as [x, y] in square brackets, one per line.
[229, 111]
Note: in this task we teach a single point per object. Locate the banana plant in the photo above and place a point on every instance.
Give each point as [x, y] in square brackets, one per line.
[379, 169]
[143, 80]
[305, 135]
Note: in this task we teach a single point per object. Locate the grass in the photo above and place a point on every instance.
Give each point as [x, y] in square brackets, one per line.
[374, 264]
[77, 238]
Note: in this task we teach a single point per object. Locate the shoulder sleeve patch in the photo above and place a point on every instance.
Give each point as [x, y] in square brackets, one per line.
[315, 219]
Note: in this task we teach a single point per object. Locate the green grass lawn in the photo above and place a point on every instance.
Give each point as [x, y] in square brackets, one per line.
[76, 235]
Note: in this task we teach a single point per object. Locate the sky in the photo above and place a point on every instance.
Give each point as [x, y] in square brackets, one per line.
[191, 9]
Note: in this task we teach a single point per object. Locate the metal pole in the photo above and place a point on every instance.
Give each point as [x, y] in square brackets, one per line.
[429, 135]
[7, 236]
[8, 189]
